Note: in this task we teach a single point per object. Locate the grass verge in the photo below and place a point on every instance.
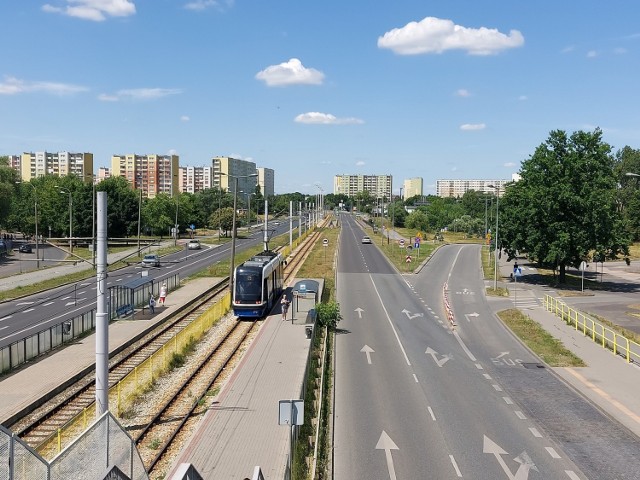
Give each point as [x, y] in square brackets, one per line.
[543, 344]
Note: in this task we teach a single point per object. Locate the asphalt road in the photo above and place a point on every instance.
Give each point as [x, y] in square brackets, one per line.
[26, 316]
[26, 262]
[416, 398]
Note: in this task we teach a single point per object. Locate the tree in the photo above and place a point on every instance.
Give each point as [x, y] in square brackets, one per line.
[8, 179]
[417, 220]
[224, 218]
[122, 207]
[329, 314]
[564, 208]
[628, 161]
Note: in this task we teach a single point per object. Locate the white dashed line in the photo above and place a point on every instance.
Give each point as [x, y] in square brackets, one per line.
[572, 475]
[28, 310]
[455, 466]
[433, 417]
[552, 452]
[47, 304]
[478, 366]
[487, 376]
[415, 378]
[497, 387]
[507, 400]
[535, 432]
[520, 415]
[6, 318]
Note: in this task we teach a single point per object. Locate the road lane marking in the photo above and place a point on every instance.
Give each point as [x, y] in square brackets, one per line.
[572, 475]
[520, 415]
[415, 378]
[535, 432]
[433, 417]
[507, 400]
[6, 318]
[24, 303]
[478, 366]
[47, 304]
[390, 322]
[498, 388]
[464, 347]
[487, 376]
[455, 466]
[552, 452]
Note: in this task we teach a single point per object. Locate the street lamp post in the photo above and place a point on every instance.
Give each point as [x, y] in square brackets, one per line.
[495, 259]
[233, 230]
[35, 211]
[70, 218]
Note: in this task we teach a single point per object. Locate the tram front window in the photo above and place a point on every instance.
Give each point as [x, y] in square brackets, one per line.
[248, 287]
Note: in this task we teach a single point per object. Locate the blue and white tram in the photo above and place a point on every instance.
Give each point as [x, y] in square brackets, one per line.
[257, 284]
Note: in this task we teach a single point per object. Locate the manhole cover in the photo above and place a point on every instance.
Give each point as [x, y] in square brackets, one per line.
[532, 365]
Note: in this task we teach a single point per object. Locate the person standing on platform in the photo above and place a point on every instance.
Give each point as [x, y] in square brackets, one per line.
[152, 304]
[284, 303]
[163, 293]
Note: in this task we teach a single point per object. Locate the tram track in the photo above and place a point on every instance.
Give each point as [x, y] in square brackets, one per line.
[166, 423]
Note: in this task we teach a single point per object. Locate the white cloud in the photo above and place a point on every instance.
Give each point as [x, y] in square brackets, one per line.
[436, 35]
[360, 163]
[14, 86]
[290, 73]
[139, 94]
[592, 54]
[184, 118]
[94, 10]
[326, 119]
[462, 92]
[472, 126]
[522, 98]
[199, 5]
[509, 164]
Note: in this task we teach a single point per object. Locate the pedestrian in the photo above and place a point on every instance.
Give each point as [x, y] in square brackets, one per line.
[284, 303]
[163, 293]
[152, 304]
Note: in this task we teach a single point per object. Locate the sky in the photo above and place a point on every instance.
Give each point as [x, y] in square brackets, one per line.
[447, 89]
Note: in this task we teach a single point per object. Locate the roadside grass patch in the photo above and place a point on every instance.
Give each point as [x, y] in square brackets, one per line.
[541, 342]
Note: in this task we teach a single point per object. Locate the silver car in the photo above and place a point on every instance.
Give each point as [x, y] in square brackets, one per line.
[193, 245]
[151, 260]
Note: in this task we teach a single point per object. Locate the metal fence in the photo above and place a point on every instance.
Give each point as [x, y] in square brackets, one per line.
[18, 461]
[55, 336]
[605, 336]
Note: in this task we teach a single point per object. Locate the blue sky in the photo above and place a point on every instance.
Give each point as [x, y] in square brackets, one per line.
[412, 88]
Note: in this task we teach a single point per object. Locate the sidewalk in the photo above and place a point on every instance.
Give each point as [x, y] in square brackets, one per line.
[43, 377]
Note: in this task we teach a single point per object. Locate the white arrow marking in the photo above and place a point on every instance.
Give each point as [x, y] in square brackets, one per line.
[410, 316]
[489, 446]
[385, 443]
[502, 355]
[474, 314]
[359, 310]
[368, 351]
[433, 353]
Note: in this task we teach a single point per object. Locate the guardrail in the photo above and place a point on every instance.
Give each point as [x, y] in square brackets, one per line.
[605, 336]
[26, 349]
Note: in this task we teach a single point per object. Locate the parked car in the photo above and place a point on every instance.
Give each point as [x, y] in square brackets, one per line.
[25, 248]
[151, 260]
[366, 239]
[194, 245]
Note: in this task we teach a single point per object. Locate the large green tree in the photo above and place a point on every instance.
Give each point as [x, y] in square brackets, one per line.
[564, 209]
[627, 168]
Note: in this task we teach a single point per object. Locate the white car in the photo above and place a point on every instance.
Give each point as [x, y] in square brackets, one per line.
[366, 239]
[151, 260]
[194, 245]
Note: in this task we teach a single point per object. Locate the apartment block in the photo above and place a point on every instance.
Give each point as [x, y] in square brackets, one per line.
[14, 162]
[195, 179]
[103, 174]
[379, 186]
[266, 180]
[227, 169]
[411, 187]
[153, 174]
[457, 188]
[39, 164]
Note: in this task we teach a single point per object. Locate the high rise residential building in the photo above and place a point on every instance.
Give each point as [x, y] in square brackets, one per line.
[379, 186]
[457, 188]
[266, 180]
[38, 164]
[153, 174]
[226, 169]
[14, 162]
[195, 179]
[103, 174]
[412, 187]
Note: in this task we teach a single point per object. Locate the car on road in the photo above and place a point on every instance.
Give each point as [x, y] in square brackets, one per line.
[194, 245]
[151, 260]
[25, 248]
[366, 239]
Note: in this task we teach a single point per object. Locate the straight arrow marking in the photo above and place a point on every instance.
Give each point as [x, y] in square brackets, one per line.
[385, 443]
[359, 310]
[368, 351]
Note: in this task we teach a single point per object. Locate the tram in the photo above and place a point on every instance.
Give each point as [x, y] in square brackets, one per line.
[257, 285]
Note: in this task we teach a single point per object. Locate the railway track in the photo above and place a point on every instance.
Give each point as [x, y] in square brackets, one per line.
[157, 434]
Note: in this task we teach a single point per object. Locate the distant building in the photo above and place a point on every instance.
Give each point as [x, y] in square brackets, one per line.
[39, 164]
[412, 187]
[195, 179]
[227, 169]
[103, 174]
[457, 188]
[266, 180]
[14, 162]
[153, 174]
[378, 186]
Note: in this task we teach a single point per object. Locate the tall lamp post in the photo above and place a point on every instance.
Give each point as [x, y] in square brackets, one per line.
[233, 229]
[35, 211]
[495, 259]
[64, 192]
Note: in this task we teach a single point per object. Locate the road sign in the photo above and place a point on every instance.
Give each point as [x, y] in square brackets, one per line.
[325, 242]
[419, 235]
[416, 245]
[583, 266]
[401, 242]
[418, 239]
[408, 260]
